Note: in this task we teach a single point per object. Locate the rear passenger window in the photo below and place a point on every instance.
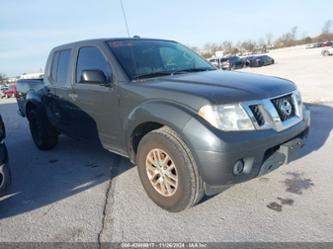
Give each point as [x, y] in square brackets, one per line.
[54, 66]
[61, 66]
[91, 58]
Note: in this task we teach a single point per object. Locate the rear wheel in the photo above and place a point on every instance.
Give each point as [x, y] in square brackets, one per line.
[5, 179]
[168, 170]
[43, 134]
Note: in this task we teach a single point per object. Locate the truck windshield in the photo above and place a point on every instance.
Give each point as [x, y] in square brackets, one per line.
[154, 58]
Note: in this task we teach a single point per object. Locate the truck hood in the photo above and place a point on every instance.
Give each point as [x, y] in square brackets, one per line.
[224, 87]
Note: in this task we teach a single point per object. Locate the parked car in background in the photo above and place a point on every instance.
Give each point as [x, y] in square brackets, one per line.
[327, 51]
[228, 62]
[327, 44]
[216, 62]
[5, 177]
[190, 129]
[232, 62]
[249, 61]
[265, 60]
[10, 92]
[2, 89]
[259, 61]
[310, 46]
[323, 44]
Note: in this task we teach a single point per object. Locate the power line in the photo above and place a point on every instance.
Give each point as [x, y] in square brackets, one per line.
[125, 18]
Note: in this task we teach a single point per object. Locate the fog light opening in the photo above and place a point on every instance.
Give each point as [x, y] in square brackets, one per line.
[238, 167]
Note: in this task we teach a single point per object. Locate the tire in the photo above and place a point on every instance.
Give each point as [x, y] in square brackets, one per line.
[188, 189]
[5, 175]
[43, 134]
[5, 179]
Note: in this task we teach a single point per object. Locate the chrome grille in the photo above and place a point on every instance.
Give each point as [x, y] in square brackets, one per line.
[285, 107]
[257, 114]
[268, 114]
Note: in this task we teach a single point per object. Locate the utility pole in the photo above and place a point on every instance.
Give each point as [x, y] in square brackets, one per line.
[125, 18]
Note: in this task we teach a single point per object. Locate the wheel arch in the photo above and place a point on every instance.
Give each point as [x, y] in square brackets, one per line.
[151, 116]
[33, 101]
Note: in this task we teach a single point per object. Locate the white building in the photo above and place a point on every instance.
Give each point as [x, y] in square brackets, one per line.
[32, 76]
[11, 79]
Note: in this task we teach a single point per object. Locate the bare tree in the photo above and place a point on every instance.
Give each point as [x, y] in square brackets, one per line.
[211, 47]
[269, 37]
[249, 46]
[293, 33]
[287, 39]
[227, 47]
[327, 27]
[2, 77]
[304, 35]
[261, 42]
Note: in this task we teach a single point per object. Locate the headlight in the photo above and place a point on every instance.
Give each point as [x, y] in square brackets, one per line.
[227, 117]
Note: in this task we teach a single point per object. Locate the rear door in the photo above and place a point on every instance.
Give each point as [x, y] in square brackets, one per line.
[59, 84]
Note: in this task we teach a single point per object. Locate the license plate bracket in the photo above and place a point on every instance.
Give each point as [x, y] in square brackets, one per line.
[292, 149]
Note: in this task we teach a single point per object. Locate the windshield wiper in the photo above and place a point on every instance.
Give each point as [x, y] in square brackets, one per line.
[164, 73]
[190, 70]
[152, 74]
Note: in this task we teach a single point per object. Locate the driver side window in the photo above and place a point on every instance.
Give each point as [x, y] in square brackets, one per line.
[91, 58]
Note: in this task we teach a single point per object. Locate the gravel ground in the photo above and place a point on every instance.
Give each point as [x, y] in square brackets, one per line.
[78, 192]
[293, 203]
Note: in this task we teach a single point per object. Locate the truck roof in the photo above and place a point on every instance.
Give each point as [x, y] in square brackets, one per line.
[109, 39]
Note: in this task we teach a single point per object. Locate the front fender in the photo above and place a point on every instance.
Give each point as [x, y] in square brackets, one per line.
[166, 113]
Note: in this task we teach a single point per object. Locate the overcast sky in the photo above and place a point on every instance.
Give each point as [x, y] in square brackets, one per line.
[30, 28]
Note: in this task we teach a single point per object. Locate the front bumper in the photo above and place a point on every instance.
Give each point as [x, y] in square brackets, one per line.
[262, 151]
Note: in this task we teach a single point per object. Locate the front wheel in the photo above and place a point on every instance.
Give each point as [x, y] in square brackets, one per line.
[168, 170]
[43, 134]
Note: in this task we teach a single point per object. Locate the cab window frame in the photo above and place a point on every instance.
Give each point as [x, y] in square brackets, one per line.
[109, 74]
[55, 67]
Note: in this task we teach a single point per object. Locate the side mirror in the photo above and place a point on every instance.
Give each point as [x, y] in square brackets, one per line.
[93, 76]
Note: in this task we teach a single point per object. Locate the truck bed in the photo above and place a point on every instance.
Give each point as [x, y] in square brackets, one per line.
[25, 86]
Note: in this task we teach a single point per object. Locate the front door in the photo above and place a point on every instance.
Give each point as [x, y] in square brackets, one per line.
[97, 104]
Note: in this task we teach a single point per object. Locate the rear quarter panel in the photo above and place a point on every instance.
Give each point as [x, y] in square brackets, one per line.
[28, 90]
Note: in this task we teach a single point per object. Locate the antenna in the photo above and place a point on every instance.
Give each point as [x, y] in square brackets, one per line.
[125, 18]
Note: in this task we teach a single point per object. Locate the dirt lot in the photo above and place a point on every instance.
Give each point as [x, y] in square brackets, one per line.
[77, 192]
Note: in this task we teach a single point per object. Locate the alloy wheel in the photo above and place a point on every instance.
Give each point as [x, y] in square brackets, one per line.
[162, 172]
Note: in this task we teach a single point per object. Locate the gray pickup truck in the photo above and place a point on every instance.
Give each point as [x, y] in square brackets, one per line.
[191, 129]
